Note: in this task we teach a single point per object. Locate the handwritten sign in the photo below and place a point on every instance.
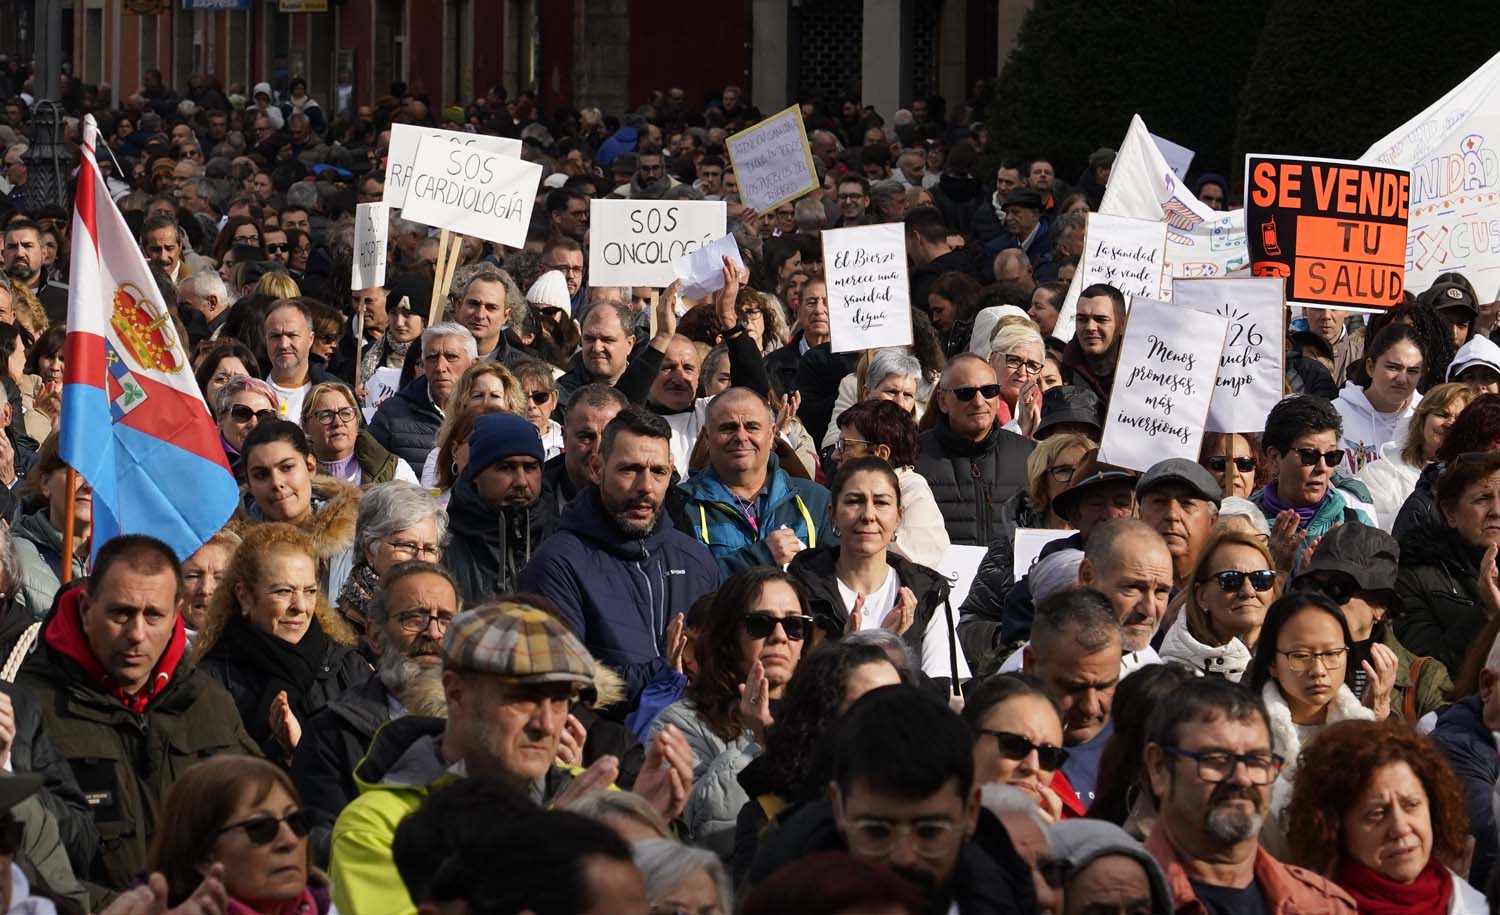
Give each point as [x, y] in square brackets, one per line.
[379, 387]
[1028, 546]
[401, 159]
[869, 301]
[1334, 231]
[1168, 362]
[1128, 254]
[634, 242]
[473, 192]
[372, 226]
[1249, 382]
[772, 162]
[702, 270]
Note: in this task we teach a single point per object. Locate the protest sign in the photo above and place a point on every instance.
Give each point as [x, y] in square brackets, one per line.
[772, 162]
[1128, 254]
[959, 565]
[1249, 382]
[634, 242]
[402, 157]
[1200, 242]
[379, 387]
[372, 226]
[1455, 183]
[869, 299]
[1178, 157]
[1168, 362]
[1028, 546]
[472, 191]
[702, 269]
[1333, 230]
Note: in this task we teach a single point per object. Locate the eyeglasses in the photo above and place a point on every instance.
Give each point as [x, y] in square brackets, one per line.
[844, 443]
[539, 397]
[761, 624]
[1015, 746]
[1062, 473]
[564, 268]
[1310, 456]
[1218, 463]
[328, 339]
[966, 394]
[1031, 366]
[877, 838]
[1215, 766]
[409, 548]
[1299, 661]
[330, 417]
[243, 414]
[850, 198]
[274, 248]
[1231, 580]
[414, 621]
[246, 240]
[262, 830]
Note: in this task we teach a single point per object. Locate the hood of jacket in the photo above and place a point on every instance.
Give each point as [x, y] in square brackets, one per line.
[585, 518]
[1082, 841]
[1229, 660]
[405, 753]
[1445, 548]
[330, 524]
[1288, 745]
[705, 485]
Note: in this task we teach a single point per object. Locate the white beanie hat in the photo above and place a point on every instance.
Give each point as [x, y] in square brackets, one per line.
[551, 290]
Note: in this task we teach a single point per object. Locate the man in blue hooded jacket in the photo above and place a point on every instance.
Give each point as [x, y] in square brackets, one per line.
[618, 570]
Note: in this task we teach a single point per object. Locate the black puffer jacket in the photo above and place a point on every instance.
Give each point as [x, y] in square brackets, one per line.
[970, 480]
[979, 617]
[333, 742]
[407, 424]
[1438, 584]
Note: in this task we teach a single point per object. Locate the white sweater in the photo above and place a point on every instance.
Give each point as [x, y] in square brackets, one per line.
[1365, 430]
[1390, 481]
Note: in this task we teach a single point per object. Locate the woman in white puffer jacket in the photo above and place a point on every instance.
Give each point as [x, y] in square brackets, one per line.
[1392, 478]
[1231, 587]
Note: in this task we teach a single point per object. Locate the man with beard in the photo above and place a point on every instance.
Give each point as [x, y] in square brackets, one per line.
[23, 264]
[1179, 499]
[622, 575]
[407, 618]
[903, 797]
[1127, 562]
[1208, 754]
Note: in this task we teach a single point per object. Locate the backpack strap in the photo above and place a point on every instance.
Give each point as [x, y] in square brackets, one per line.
[1409, 701]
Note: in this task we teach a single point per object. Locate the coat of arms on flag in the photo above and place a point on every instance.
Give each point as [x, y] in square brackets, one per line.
[145, 332]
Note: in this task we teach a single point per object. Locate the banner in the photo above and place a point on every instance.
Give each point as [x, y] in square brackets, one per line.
[1333, 230]
[634, 242]
[1128, 254]
[401, 158]
[869, 301]
[472, 192]
[1200, 242]
[1455, 183]
[372, 226]
[1249, 381]
[772, 161]
[1168, 362]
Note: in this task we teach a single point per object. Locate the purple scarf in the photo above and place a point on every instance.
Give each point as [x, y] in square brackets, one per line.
[1274, 506]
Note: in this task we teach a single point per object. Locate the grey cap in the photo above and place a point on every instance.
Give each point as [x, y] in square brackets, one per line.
[1182, 471]
[1078, 843]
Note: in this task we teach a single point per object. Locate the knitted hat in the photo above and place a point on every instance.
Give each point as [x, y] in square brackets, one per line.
[550, 291]
[498, 436]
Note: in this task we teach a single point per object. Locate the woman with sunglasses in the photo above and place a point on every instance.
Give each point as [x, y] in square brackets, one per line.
[1230, 458]
[244, 814]
[1392, 478]
[1303, 673]
[748, 649]
[272, 640]
[240, 404]
[1384, 399]
[1018, 741]
[344, 447]
[484, 387]
[861, 583]
[540, 387]
[1233, 584]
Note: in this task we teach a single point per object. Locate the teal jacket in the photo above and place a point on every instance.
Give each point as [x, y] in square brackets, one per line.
[715, 518]
[1348, 500]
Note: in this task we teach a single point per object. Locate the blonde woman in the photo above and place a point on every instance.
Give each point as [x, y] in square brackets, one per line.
[1018, 354]
[345, 449]
[278, 285]
[1393, 476]
[485, 387]
[1232, 586]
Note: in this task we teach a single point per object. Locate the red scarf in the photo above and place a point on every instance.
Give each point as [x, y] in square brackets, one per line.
[66, 636]
[1429, 894]
[304, 904]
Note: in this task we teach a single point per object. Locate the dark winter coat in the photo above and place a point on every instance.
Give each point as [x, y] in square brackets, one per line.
[1470, 747]
[407, 423]
[487, 547]
[972, 480]
[979, 617]
[1438, 585]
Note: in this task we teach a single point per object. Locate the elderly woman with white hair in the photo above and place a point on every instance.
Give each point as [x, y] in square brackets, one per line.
[890, 374]
[398, 521]
[1018, 355]
[683, 879]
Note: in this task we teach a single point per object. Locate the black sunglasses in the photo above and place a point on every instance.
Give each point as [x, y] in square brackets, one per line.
[1310, 456]
[966, 394]
[1014, 746]
[761, 624]
[539, 397]
[1217, 464]
[1231, 581]
[243, 414]
[274, 248]
[262, 830]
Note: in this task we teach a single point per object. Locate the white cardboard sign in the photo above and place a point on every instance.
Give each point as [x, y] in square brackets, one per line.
[1179, 158]
[401, 158]
[1169, 360]
[772, 161]
[1249, 382]
[634, 242]
[869, 297]
[1028, 546]
[379, 387]
[472, 192]
[1128, 254]
[372, 227]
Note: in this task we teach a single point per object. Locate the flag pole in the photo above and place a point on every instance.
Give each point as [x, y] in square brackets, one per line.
[65, 570]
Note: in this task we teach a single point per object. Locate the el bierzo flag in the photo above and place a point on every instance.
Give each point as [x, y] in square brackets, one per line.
[134, 424]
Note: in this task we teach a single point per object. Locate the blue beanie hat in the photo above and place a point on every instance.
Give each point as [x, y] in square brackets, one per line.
[498, 436]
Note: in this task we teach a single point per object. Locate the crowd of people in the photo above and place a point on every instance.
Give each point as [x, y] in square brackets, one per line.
[625, 602]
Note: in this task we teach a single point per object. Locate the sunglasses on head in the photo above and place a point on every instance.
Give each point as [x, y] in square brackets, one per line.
[1310, 456]
[262, 830]
[761, 624]
[1231, 581]
[966, 394]
[1014, 746]
[1242, 464]
[243, 414]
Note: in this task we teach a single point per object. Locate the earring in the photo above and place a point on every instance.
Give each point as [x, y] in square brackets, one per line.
[894, 536]
[836, 533]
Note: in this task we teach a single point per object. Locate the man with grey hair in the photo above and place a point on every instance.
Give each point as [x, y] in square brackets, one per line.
[488, 305]
[888, 201]
[206, 294]
[407, 423]
[407, 617]
[201, 197]
[1127, 561]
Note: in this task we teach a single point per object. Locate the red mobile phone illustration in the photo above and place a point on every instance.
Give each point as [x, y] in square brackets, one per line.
[1268, 238]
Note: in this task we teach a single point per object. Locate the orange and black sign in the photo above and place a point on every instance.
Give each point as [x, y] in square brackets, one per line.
[1335, 231]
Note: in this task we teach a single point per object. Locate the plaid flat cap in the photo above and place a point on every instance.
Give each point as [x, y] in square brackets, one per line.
[516, 642]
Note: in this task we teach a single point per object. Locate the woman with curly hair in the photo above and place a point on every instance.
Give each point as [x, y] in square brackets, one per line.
[1433, 338]
[1378, 811]
[272, 639]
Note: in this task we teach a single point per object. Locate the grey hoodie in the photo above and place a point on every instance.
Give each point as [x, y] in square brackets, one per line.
[1081, 842]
